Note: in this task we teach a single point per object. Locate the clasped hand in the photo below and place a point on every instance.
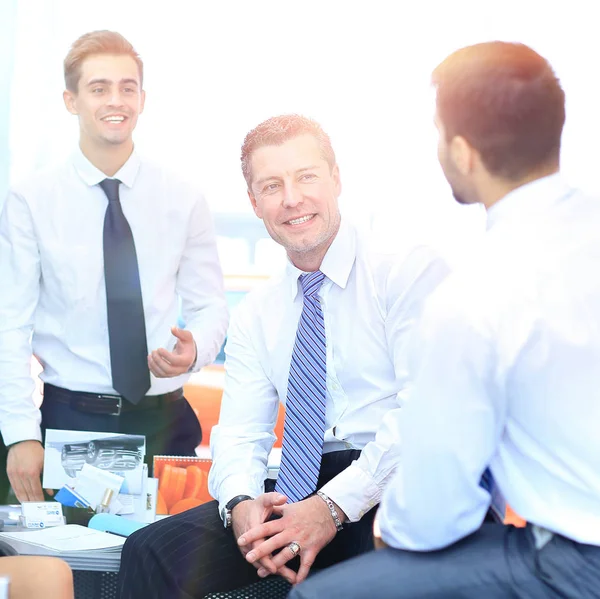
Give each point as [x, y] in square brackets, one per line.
[308, 523]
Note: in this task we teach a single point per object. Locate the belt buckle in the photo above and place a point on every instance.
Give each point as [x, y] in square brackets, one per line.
[119, 403]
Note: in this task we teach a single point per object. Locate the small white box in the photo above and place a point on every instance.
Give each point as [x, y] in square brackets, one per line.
[42, 514]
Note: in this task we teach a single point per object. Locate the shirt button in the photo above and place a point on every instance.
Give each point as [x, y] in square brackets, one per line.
[335, 387]
[347, 445]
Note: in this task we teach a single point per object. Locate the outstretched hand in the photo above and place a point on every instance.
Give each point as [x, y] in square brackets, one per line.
[165, 364]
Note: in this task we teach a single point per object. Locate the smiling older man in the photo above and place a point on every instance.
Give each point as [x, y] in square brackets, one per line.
[329, 340]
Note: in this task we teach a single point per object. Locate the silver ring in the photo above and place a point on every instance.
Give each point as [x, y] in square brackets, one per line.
[294, 547]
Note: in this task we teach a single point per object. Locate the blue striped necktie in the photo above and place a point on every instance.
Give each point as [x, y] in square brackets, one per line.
[304, 426]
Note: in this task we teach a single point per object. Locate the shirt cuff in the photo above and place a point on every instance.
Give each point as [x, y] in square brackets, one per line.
[234, 486]
[203, 356]
[16, 432]
[193, 365]
[354, 491]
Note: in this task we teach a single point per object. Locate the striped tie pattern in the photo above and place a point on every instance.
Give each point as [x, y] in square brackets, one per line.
[304, 426]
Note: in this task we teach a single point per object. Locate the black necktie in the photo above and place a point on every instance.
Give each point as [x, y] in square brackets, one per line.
[126, 324]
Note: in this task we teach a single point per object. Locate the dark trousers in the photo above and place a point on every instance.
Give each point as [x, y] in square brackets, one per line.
[493, 563]
[171, 429]
[192, 554]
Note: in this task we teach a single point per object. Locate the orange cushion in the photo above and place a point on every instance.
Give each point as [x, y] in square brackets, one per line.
[206, 403]
[510, 517]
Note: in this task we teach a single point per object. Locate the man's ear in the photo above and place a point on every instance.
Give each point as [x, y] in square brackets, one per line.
[255, 205]
[69, 98]
[462, 154]
[142, 101]
[337, 181]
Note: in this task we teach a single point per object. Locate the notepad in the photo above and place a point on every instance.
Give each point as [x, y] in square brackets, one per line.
[182, 483]
[63, 540]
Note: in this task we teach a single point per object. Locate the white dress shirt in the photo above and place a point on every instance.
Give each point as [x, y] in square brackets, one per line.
[52, 279]
[509, 376]
[370, 303]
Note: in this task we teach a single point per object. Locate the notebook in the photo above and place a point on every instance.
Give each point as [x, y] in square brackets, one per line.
[182, 483]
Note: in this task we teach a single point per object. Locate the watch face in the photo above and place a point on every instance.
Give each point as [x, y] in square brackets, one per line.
[226, 512]
[225, 516]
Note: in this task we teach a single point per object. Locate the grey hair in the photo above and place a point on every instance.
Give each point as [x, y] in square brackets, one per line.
[279, 129]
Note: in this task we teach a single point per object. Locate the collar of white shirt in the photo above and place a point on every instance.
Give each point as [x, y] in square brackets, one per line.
[528, 199]
[92, 175]
[337, 263]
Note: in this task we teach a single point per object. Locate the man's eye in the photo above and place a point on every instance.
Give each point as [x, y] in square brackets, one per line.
[97, 90]
[129, 90]
[307, 177]
[272, 187]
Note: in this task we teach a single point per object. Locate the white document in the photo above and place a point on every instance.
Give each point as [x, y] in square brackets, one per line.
[144, 505]
[123, 504]
[140, 507]
[71, 538]
[67, 452]
[91, 483]
[126, 504]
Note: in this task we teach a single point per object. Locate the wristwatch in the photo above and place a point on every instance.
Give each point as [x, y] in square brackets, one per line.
[226, 511]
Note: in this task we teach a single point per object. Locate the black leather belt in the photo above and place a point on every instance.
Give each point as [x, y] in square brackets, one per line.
[111, 405]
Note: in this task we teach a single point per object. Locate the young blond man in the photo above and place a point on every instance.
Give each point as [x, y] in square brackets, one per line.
[95, 257]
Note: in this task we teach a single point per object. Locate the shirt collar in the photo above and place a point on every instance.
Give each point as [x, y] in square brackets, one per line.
[337, 263]
[530, 198]
[92, 175]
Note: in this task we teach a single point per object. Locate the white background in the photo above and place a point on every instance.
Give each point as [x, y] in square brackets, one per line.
[214, 69]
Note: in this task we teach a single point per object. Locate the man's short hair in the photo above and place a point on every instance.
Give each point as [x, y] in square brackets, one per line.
[96, 42]
[279, 129]
[506, 101]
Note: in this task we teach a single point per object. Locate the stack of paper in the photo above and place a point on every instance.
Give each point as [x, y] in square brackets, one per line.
[82, 548]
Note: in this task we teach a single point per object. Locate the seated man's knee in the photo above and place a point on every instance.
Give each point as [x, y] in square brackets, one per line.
[134, 542]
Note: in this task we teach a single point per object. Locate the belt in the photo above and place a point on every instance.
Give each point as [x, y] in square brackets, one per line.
[110, 405]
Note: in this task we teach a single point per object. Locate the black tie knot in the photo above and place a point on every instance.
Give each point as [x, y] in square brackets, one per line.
[111, 189]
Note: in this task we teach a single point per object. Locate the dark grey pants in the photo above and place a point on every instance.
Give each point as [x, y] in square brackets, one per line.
[495, 562]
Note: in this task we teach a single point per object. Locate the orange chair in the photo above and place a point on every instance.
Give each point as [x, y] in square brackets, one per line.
[510, 517]
[206, 403]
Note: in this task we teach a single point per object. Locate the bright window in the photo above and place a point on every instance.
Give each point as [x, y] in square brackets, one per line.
[216, 69]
